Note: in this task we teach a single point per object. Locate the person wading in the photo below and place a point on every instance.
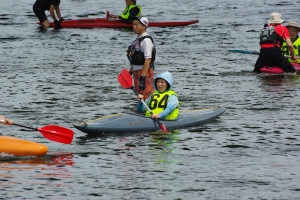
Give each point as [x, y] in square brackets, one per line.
[271, 40]
[141, 54]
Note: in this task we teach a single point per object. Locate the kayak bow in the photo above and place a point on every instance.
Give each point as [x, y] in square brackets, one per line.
[20, 147]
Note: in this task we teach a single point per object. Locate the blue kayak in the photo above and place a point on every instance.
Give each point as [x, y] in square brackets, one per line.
[133, 123]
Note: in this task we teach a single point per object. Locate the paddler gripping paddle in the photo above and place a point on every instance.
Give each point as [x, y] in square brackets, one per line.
[125, 80]
[53, 132]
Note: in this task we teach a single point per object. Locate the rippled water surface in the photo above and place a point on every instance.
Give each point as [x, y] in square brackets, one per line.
[66, 76]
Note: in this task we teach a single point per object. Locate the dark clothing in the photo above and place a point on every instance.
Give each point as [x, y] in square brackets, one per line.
[40, 6]
[273, 57]
[271, 40]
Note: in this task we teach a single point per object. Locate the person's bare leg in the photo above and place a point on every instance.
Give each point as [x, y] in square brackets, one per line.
[46, 24]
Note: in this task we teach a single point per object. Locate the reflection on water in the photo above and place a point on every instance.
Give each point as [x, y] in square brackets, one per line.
[279, 84]
[32, 172]
[58, 159]
[164, 140]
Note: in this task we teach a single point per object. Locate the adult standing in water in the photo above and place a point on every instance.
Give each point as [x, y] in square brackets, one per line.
[293, 28]
[271, 40]
[132, 10]
[141, 54]
[39, 8]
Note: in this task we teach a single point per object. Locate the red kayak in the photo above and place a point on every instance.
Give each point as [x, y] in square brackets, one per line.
[89, 23]
[277, 70]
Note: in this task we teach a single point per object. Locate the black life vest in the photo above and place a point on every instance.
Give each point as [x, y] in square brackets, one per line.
[269, 36]
[136, 56]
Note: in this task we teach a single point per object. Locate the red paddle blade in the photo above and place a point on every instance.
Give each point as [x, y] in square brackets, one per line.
[57, 133]
[163, 128]
[125, 79]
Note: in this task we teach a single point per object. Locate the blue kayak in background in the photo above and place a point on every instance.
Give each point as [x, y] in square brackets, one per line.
[132, 123]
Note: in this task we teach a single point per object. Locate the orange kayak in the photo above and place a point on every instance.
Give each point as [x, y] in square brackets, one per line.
[21, 147]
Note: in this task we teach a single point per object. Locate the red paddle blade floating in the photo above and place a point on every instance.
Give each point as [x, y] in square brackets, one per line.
[57, 133]
[125, 79]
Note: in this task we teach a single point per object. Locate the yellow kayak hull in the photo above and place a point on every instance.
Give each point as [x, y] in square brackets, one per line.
[21, 147]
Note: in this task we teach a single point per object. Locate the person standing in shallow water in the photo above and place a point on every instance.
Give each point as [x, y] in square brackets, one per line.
[141, 54]
[132, 10]
[271, 40]
[293, 28]
[39, 8]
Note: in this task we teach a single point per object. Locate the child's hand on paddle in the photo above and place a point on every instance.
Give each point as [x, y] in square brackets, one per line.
[140, 96]
[153, 116]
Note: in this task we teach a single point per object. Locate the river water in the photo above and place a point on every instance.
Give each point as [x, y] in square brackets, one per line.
[70, 75]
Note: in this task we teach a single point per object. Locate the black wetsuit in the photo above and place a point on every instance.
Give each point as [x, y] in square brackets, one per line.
[40, 6]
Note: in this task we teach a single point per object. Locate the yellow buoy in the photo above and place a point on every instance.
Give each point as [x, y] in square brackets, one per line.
[21, 147]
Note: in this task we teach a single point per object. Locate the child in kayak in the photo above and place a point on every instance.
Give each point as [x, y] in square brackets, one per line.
[5, 121]
[132, 10]
[163, 103]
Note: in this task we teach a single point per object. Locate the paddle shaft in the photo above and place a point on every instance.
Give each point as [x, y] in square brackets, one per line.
[142, 100]
[36, 129]
[254, 52]
[155, 119]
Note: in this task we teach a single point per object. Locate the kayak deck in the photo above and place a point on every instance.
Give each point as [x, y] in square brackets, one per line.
[132, 123]
[277, 70]
[88, 23]
[21, 147]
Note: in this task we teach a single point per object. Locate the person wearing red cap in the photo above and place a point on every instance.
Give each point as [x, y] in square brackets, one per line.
[132, 10]
[293, 28]
[141, 54]
[271, 40]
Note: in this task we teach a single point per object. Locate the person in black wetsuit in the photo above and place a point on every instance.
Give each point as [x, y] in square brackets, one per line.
[132, 10]
[39, 8]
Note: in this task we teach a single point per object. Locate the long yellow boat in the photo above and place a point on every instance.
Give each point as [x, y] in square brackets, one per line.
[21, 147]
